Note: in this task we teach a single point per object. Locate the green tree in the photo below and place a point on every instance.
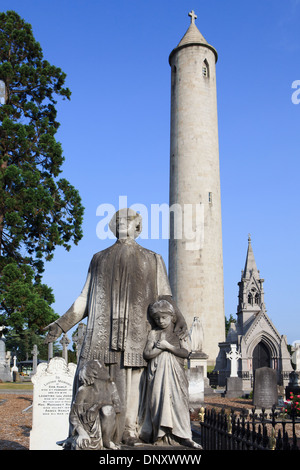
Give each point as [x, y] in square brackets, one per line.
[21, 345]
[38, 209]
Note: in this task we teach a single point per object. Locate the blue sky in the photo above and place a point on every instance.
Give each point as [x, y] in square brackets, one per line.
[115, 130]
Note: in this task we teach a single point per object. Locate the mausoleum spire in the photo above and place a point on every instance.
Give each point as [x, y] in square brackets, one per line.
[250, 264]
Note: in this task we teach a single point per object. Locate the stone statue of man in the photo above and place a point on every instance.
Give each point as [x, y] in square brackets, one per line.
[122, 281]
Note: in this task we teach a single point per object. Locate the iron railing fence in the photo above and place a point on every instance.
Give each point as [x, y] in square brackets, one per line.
[249, 431]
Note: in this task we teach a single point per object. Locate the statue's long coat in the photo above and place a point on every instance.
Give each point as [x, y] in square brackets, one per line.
[122, 281]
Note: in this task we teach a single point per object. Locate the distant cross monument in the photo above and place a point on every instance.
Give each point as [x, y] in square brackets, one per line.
[78, 338]
[65, 342]
[233, 356]
[15, 367]
[35, 353]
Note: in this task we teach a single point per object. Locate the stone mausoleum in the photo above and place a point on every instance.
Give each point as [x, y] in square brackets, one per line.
[253, 334]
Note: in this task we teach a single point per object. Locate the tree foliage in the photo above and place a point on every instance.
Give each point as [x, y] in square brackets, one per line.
[38, 209]
[229, 320]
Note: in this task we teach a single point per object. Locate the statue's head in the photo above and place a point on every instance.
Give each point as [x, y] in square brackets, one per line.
[126, 223]
[162, 308]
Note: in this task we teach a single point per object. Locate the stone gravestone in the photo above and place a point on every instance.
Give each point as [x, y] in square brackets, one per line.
[78, 338]
[197, 364]
[196, 379]
[265, 393]
[5, 374]
[65, 343]
[52, 398]
[296, 356]
[15, 371]
[2, 92]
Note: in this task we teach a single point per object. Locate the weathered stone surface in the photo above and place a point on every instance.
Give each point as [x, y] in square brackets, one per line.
[195, 258]
[265, 393]
[234, 387]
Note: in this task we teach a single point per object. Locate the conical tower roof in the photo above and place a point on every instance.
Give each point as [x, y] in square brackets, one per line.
[250, 264]
[193, 37]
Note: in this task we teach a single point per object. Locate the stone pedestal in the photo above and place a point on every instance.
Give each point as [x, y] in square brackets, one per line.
[290, 389]
[293, 385]
[197, 377]
[234, 387]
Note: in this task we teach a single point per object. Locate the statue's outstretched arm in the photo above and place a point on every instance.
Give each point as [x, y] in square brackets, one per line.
[73, 316]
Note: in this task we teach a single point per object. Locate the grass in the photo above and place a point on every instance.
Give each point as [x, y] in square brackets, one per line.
[16, 386]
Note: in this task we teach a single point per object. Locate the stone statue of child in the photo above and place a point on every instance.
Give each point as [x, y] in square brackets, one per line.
[94, 410]
[167, 418]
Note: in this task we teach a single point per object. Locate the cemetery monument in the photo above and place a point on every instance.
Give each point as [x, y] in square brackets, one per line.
[234, 383]
[122, 282]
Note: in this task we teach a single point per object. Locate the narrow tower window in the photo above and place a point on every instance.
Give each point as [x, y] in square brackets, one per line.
[210, 198]
[205, 69]
[250, 299]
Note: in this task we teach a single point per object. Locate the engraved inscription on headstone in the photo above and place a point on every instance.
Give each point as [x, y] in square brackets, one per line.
[52, 398]
[265, 393]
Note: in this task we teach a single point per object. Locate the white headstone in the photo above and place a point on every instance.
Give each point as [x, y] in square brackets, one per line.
[2, 92]
[233, 356]
[15, 367]
[296, 355]
[196, 385]
[52, 398]
[5, 374]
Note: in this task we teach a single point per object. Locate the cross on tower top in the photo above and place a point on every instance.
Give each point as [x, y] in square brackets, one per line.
[193, 16]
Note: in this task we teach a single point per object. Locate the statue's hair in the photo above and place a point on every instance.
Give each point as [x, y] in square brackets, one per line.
[127, 212]
[162, 306]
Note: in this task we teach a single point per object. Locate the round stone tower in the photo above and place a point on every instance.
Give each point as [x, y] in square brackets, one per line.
[195, 247]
